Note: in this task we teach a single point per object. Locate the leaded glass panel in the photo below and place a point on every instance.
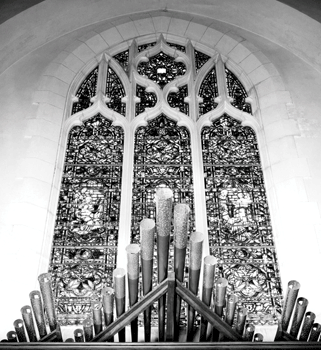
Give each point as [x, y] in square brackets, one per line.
[177, 46]
[122, 58]
[146, 46]
[147, 99]
[176, 99]
[162, 158]
[200, 59]
[115, 91]
[208, 92]
[86, 230]
[236, 90]
[239, 225]
[161, 69]
[86, 91]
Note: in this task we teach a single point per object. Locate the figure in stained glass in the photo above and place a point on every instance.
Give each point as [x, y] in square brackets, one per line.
[86, 231]
[239, 224]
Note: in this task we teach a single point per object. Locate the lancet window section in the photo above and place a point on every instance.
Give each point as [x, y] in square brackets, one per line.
[162, 158]
[237, 92]
[86, 230]
[208, 92]
[115, 92]
[239, 224]
[200, 59]
[123, 59]
[86, 91]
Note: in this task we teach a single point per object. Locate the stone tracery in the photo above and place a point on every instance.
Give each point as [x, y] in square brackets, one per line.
[235, 197]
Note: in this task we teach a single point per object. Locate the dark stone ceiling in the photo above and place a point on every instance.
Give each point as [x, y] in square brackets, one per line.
[10, 8]
[311, 8]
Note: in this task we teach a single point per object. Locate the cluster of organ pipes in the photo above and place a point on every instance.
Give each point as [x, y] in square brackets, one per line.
[222, 319]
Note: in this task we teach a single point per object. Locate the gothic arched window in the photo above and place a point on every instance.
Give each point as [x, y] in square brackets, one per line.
[239, 225]
[162, 158]
[86, 231]
[162, 114]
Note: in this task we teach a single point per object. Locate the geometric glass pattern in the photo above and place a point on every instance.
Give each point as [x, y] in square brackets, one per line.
[208, 92]
[86, 91]
[85, 239]
[161, 69]
[146, 46]
[147, 99]
[239, 224]
[237, 92]
[162, 157]
[177, 46]
[200, 59]
[123, 58]
[176, 99]
[115, 91]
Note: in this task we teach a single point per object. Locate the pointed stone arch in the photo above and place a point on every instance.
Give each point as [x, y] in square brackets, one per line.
[258, 75]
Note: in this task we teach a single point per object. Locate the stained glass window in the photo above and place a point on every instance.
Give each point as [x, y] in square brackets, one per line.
[239, 224]
[147, 99]
[86, 91]
[162, 157]
[177, 46]
[161, 69]
[86, 231]
[146, 46]
[200, 59]
[176, 99]
[122, 58]
[236, 90]
[208, 92]
[115, 91]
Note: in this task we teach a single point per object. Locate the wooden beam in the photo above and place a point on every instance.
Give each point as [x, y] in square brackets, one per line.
[132, 313]
[208, 314]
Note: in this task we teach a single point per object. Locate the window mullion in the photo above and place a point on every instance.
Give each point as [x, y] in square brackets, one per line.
[191, 83]
[199, 189]
[126, 196]
[102, 76]
[128, 167]
[131, 104]
[221, 81]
